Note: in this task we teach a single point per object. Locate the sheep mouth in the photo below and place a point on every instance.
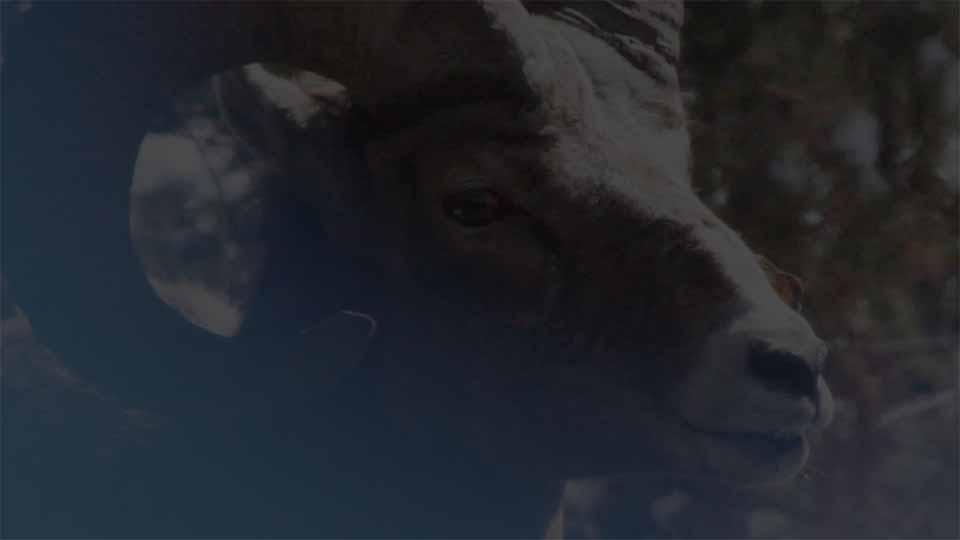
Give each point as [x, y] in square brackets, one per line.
[763, 446]
[752, 457]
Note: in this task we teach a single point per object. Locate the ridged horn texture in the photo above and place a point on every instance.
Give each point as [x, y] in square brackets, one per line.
[646, 33]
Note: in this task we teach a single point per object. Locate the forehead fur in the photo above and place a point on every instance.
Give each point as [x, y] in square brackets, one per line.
[620, 133]
[608, 104]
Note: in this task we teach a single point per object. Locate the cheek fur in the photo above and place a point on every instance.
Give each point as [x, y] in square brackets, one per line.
[502, 267]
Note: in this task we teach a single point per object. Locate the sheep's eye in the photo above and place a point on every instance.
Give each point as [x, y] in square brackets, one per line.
[474, 207]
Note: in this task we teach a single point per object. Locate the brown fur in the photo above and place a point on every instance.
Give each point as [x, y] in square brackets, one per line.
[602, 323]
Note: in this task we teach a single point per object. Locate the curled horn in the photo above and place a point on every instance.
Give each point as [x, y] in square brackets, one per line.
[82, 83]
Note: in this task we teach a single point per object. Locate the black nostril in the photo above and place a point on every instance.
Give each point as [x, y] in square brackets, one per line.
[784, 372]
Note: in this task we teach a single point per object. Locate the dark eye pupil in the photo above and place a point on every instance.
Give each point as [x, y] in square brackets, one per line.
[474, 208]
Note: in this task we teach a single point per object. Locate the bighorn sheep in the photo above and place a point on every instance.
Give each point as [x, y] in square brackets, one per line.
[552, 300]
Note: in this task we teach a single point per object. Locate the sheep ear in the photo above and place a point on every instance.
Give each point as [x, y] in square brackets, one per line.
[787, 286]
